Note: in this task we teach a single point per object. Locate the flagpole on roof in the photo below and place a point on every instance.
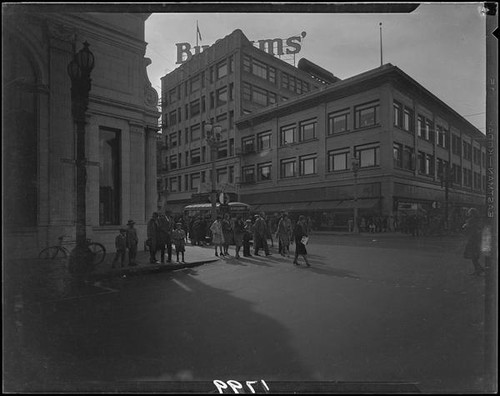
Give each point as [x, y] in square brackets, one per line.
[197, 30]
[381, 57]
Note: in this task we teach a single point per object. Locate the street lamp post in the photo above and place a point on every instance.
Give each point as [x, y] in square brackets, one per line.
[79, 70]
[213, 137]
[355, 168]
[447, 175]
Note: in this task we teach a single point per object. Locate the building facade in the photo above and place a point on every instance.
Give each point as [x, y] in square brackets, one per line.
[39, 135]
[219, 85]
[298, 156]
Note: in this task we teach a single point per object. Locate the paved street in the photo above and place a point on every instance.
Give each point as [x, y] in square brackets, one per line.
[372, 308]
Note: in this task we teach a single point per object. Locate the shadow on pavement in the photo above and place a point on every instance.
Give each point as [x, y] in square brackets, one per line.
[166, 327]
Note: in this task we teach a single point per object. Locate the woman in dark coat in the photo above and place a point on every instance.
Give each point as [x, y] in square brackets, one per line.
[299, 232]
[473, 227]
[239, 232]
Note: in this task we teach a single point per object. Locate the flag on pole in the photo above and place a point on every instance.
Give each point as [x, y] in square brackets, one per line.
[198, 34]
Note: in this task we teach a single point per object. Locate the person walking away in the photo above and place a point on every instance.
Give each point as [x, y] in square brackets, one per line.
[179, 240]
[473, 228]
[164, 237]
[121, 247]
[217, 235]
[132, 241]
[238, 232]
[195, 237]
[260, 232]
[247, 237]
[152, 232]
[300, 235]
[284, 234]
[227, 230]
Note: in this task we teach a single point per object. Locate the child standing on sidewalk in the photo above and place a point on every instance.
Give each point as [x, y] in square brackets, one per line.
[179, 240]
[121, 247]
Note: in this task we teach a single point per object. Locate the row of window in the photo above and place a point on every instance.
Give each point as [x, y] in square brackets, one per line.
[365, 115]
[404, 158]
[194, 180]
[220, 70]
[197, 106]
[195, 132]
[338, 160]
[199, 155]
[258, 95]
[259, 69]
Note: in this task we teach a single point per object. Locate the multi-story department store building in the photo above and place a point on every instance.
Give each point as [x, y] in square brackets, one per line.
[296, 153]
[219, 85]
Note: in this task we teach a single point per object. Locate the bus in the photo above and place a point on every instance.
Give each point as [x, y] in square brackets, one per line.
[205, 209]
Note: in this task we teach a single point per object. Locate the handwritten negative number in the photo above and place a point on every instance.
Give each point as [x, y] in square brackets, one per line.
[235, 385]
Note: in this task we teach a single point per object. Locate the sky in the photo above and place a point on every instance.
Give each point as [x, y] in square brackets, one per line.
[440, 45]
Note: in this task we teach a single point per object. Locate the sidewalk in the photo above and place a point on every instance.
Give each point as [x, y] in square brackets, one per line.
[37, 281]
[194, 256]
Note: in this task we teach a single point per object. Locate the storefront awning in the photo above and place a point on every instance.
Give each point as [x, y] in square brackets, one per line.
[324, 205]
[286, 206]
[360, 204]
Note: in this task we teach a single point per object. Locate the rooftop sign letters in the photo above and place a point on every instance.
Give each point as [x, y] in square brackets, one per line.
[291, 45]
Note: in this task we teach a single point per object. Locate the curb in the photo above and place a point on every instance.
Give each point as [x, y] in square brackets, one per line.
[145, 269]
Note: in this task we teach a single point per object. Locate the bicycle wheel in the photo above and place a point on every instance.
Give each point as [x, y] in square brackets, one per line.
[98, 251]
[52, 253]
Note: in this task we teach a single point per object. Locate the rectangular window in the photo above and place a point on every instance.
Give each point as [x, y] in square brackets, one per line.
[259, 69]
[212, 100]
[222, 150]
[172, 119]
[263, 141]
[195, 156]
[366, 115]
[195, 132]
[195, 181]
[338, 122]
[221, 96]
[307, 165]
[307, 130]
[457, 174]
[408, 120]
[456, 144]
[195, 107]
[429, 131]
[221, 70]
[248, 174]
[288, 134]
[442, 136]
[264, 171]
[369, 155]
[338, 160]
[172, 96]
[426, 163]
[287, 168]
[409, 158]
[231, 147]
[222, 176]
[247, 145]
[109, 177]
[173, 139]
[259, 96]
[397, 150]
[173, 161]
[195, 84]
[398, 114]
[174, 185]
[421, 127]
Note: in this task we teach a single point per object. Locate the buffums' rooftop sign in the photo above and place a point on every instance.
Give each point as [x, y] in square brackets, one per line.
[291, 45]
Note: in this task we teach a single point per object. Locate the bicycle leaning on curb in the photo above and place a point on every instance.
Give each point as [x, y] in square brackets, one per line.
[60, 251]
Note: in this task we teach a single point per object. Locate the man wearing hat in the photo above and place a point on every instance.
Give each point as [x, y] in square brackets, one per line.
[132, 241]
[260, 233]
[153, 229]
[121, 247]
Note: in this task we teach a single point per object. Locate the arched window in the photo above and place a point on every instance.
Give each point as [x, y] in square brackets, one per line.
[20, 138]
